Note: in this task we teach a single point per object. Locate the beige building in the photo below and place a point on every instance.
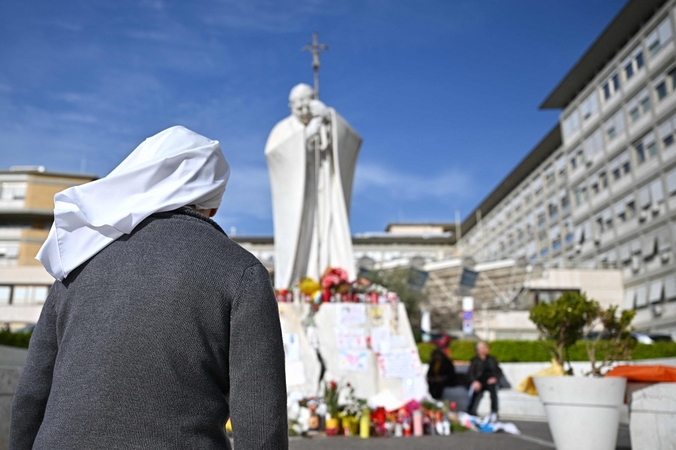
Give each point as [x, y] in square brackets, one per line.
[26, 214]
[599, 191]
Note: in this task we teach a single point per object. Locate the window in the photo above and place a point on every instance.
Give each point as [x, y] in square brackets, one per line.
[27, 295]
[607, 216]
[619, 210]
[614, 125]
[556, 244]
[526, 194]
[9, 250]
[12, 191]
[661, 89]
[625, 209]
[578, 159]
[656, 40]
[666, 130]
[590, 106]
[671, 183]
[565, 200]
[633, 63]
[542, 219]
[611, 86]
[639, 105]
[571, 124]
[620, 166]
[594, 143]
[644, 199]
[537, 184]
[665, 84]
[657, 192]
[599, 225]
[595, 186]
[645, 148]
[532, 252]
[553, 208]
[581, 195]
[549, 175]
[630, 207]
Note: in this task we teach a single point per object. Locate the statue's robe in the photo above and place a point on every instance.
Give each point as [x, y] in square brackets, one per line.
[307, 204]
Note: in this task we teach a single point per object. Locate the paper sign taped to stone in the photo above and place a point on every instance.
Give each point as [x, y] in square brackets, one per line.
[351, 339]
[399, 364]
[351, 314]
[380, 339]
[353, 361]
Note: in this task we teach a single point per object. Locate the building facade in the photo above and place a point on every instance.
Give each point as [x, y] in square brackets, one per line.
[600, 190]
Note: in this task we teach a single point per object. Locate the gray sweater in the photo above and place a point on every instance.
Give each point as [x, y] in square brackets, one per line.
[152, 344]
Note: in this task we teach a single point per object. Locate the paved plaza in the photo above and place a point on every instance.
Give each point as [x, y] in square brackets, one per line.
[534, 436]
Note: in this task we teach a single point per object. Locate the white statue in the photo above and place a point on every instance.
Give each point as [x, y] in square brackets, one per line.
[311, 157]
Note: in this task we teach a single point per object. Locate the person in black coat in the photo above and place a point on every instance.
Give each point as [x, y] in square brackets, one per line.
[484, 374]
[441, 374]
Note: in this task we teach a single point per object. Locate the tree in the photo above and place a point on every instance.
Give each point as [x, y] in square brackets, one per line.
[404, 283]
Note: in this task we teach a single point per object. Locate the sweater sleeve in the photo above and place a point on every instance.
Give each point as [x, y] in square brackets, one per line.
[257, 378]
[472, 374]
[35, 383]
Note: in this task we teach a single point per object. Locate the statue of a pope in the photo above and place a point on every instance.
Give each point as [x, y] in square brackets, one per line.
[311, 157]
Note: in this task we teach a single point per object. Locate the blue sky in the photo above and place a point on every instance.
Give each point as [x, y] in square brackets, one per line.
[443, 92]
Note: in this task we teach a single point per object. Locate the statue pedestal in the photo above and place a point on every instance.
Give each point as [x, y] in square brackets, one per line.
[370, 346]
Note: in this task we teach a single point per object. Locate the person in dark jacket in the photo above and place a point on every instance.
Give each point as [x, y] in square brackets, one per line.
[484, 374]
[441, 374]
[159, 327]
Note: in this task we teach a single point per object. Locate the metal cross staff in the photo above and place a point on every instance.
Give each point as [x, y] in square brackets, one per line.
[316, 49]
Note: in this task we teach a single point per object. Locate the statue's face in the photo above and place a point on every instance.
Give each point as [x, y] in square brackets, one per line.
[299, 102]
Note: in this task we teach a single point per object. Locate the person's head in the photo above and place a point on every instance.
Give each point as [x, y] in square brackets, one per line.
[174, 168]
[437, 355]
[482, 349]
[299, 102]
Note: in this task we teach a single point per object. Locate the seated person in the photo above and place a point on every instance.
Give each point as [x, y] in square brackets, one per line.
[484, 374]
[441, 374]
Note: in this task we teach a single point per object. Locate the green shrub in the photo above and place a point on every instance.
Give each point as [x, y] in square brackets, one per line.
[656, 350]
[534, 351]
[14, 339]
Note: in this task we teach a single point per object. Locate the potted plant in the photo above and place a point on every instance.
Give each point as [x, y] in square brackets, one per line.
[583, 412]
[331, 393]
[351, 411]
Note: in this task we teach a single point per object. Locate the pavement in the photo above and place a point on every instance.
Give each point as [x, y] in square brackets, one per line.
[534, 436]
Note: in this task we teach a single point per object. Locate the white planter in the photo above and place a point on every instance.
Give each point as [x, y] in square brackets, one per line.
[583, 413]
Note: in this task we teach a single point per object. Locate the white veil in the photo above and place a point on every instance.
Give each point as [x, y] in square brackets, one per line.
[174, 168]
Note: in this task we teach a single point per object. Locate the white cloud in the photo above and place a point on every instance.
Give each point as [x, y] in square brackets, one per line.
[269, 16]
[398, 185]
[247, 196]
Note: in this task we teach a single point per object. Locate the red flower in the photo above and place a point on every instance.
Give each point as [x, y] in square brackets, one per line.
[333, 385]
[334, 277]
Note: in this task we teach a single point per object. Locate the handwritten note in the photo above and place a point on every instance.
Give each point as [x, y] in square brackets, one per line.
[353, 361]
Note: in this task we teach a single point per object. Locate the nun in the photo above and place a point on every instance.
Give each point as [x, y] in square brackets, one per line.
[158, 327]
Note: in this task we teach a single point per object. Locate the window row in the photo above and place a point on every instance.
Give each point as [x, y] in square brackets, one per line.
[627, 69]
[656, 291]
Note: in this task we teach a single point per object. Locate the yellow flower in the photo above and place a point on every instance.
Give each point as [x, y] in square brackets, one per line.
[309, 286]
